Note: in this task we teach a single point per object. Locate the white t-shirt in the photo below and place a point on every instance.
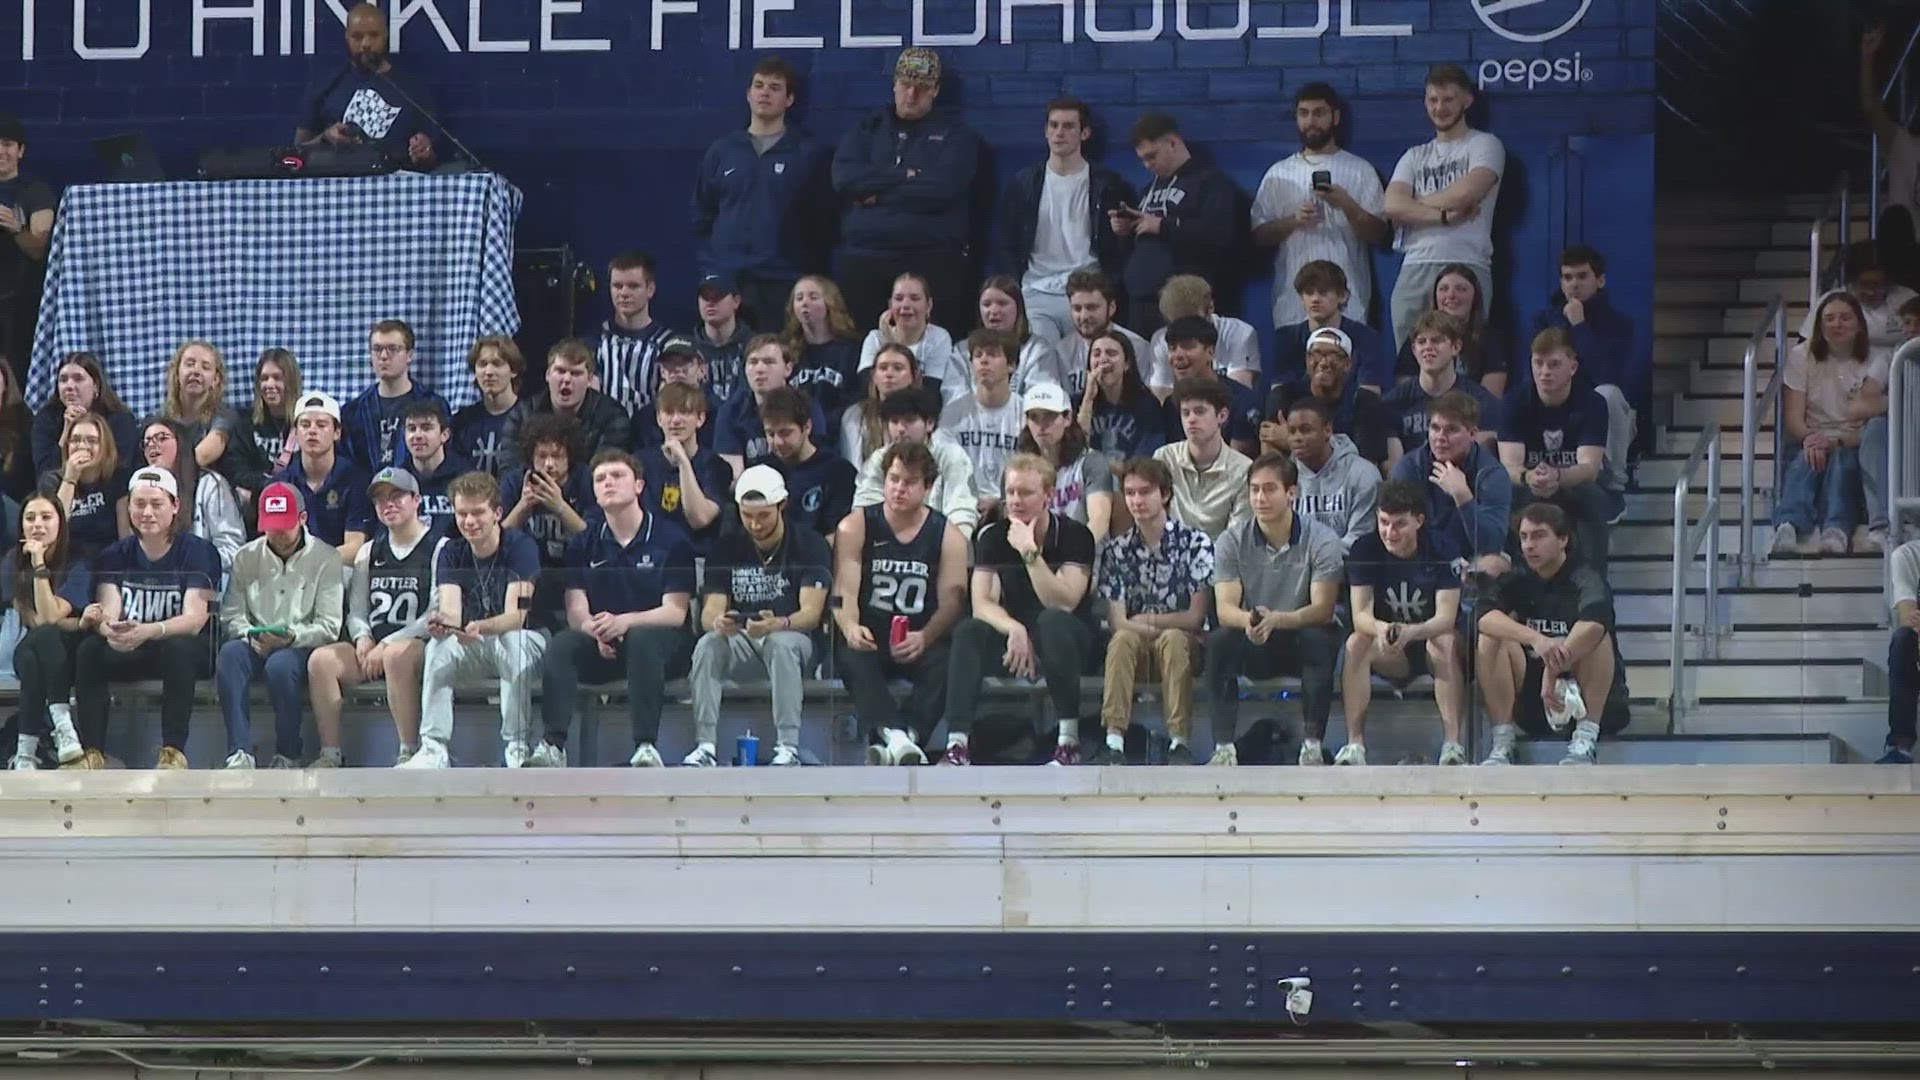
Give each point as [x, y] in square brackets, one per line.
[935, 353]
[1883, 318]
[1237, 350]
[1433, 167]
[987, 435]
[1062, 242]
[1289, 183]
[1906, 572]
[1831, 384]
[1073, 359]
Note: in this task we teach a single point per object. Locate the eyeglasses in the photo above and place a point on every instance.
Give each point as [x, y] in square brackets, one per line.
[83, 440]
[157, 438]
[389, 350]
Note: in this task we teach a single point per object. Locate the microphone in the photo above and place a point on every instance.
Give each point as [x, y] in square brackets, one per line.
[387, 81]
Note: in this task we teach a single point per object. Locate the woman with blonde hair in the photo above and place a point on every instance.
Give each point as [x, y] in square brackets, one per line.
[895, 367]
[90, 484]
[825, 342]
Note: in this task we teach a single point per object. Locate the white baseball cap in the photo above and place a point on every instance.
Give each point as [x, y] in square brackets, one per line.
[1047, 397]
[317, 401]
[761, 485]
[1328, 335]
[152, 476]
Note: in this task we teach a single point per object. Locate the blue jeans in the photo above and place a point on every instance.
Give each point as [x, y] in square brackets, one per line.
[1829, 499]
[286, 671]
[1875, 464]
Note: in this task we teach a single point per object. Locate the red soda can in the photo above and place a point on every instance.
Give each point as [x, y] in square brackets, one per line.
[898, 634]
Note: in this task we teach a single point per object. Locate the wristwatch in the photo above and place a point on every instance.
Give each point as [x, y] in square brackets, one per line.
[1029, 557]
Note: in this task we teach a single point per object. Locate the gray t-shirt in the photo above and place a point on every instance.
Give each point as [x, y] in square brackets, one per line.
[1279, 579]
[1091, 473]
[764, 143]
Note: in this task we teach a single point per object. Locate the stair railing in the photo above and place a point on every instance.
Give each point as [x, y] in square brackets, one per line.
[1903, 456]
[1752, 407]
[1686, 544]
[1838, 209]
[1903, 115]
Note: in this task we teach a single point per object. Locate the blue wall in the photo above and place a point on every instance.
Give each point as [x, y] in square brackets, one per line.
[603, 142]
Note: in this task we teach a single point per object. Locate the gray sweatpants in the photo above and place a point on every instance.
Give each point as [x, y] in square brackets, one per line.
[512, 657]
[782, 656]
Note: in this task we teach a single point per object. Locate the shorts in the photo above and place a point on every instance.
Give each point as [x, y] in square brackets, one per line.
[1530, 713]
[1417, 665]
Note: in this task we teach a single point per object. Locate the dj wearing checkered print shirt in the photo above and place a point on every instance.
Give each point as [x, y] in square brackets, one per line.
[359, 104]
[1322, 203]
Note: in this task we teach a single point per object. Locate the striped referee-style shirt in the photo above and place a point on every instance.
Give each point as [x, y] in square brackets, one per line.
[629, 362]
[1288, 183]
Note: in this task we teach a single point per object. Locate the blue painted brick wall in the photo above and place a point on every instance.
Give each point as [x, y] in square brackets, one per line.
[604, 142]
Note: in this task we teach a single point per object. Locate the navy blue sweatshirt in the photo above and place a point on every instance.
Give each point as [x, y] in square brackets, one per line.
[1604, 342]
[1202, 215]
[770, 213]
[924, 213]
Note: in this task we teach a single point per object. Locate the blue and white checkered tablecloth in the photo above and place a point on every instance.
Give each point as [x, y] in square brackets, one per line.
[307, 265]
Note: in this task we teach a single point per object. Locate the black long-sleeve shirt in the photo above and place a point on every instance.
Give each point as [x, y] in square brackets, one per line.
[1200, 210]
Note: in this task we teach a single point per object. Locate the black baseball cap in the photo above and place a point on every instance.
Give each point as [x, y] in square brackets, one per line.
[719, 282]
[12, 130]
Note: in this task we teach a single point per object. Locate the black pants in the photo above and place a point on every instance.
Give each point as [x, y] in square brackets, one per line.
[866, 675]
[1309, 653]
[1143, 315]
[44, 663]
[178, 662]
[648, 656]
[763, 300]
[1903, 679]
[867, 283]
[1062, 644]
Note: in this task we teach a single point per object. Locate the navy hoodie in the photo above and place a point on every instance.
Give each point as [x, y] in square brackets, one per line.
[768, 213]
[1202, 218]
[1604, 343]
[927, 212]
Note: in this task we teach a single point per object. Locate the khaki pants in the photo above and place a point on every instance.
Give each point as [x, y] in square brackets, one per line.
[1130, 656]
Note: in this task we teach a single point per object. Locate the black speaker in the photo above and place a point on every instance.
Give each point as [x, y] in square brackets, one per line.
[551, 287]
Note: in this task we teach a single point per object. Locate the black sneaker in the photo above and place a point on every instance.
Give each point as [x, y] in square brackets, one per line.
[1181, 755]
[1106, 755]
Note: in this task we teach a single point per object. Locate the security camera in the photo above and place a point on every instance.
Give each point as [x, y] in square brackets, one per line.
[1298, 982]
[1299, 997]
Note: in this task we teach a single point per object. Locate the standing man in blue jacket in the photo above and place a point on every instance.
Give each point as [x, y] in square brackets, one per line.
[1603, 338]
[761, 204]
[905, 179]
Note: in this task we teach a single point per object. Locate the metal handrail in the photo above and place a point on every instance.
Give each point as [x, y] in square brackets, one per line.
[1840, 195]
[1897, 420]
[1873, 184]
[1751, 406]
[1686, 542]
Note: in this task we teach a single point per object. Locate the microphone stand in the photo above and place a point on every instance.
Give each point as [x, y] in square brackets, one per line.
[387, 81]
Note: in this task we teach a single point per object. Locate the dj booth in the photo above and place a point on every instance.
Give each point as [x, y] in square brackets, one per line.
[308, 265]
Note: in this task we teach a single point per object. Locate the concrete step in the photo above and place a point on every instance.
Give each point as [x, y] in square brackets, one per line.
[1737, 233]
[1698, 410]
[1772, 646]
[1755, 608]
[1653, 570]
[1631, 749]
[1659, 472]
[1699, 290]
[1728, 380]
[1654, 539]
[1784, 261]
[1656, 508]
[1762, 289]
[1763, 680]
[1685, 351]
[1678, 439]
[1860, 725]
[1744, 317]
[1786, 233]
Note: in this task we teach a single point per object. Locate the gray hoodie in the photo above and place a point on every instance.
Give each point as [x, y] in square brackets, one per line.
[1342, 495]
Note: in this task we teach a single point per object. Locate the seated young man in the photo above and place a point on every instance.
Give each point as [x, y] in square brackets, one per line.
[387, 602]
[681, 363]
[1337, 485]
[483, 579]
[740, 434]
[549, 499]
[630, 585]
[1603, 337]
[1209, 477]
[284, 601]
[913, 415]
[820, 482]
[1322, 286]
[988, 421]
[1094, 301]
[1190, 344]
[1357, 410]
[1553, 443]
[432, 462]
[1406, 606]
[571, 378]
[1903, 656]
[685, 482]
[334, 488]
[766, 593]
[372, 438]
[1435, 344]
[478, 429]
[1469, 495]
[1031, 609]
[1548, 657]
[899, 560]
[1276, 581]
[1236, 346]
[1155, 579]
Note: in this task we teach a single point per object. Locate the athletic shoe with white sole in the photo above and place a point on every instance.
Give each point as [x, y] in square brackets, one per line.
[1502, 751]
[1786, 540]
[431, 755]
[516, 754]
[1312, 753]
[66, 741]
[1351, 754]
[702, 757]
[1833, 542]
[1225, 756]
[646, 757]
[171, 759]
[405, 755]
[547, 756]
[282, 761]
[27, 757]
[784, 755]
[1453, 754]
[1580, 748]
[330, 758]
[239, 759]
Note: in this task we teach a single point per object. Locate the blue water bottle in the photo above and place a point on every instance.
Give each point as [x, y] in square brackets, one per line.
[746, 750]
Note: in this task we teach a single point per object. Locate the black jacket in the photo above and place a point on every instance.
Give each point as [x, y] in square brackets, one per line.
[1020, 217]
[1202, 209]
[925, 213]
[603, 423]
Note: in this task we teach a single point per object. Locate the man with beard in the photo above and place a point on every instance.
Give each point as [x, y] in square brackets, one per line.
[1092, 304]
[360, 103]
[1322, 203]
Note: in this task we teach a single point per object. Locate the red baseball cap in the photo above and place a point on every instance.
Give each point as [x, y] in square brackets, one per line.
[280, 507]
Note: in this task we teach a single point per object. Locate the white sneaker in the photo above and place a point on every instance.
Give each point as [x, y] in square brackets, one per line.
[1833, 542]
[405, 755]
[646, 757]
[1226, 756]
[1502, 752]
[239, 759]
[26, 757]
[1572, 706]
[547, 756]
[330, 758]
[1453, 754]
[66, 741]
[786, 755]
[702, 757]
[516, 754]
[1312, 753]
[431, 755]
[1786, 540]
[1351, 754]
[1580, 748]
[279, 761]
[1880, 539]
[902, 750]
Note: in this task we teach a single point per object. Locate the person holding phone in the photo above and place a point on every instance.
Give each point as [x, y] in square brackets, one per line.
[153, 595]
[1186, 222]
[1323, 203]
[284, 602]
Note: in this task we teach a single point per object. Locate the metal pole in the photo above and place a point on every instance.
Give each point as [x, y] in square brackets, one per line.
[1779, 427]
[1813, 259]
[1873, 189]
[1844, 248]
[1677, 685]
[1713, 548]
[1749, 415]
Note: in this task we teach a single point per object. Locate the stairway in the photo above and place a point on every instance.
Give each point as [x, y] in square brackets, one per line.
[1802, 647]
